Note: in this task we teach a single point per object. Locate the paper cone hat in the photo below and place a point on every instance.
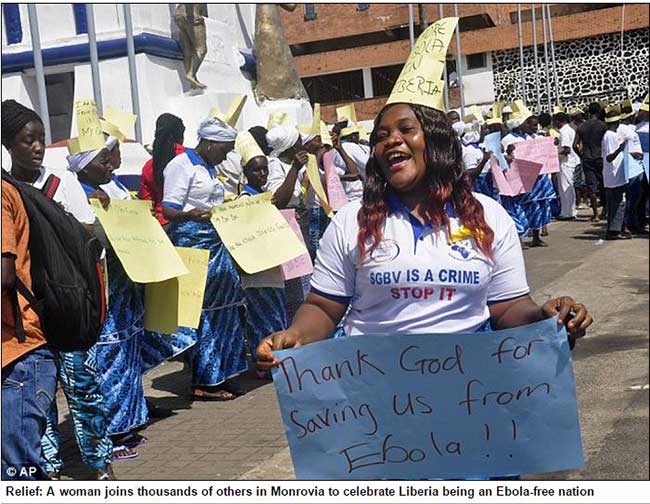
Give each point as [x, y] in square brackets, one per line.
[559, 109]
[234, 111]
[495, 115]
[613, 114]
[576, 111]
[626, 109]
[278, 119]
[112, 129]
[420, 81]
[645, 105]
[363, 133]
[247, 147]
[521, 110]
[346, 112]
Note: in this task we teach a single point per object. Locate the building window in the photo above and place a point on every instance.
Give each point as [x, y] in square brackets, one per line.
[80, 19]
[13, 28]
[362, 7]
[333, 88]
[310, 12]
[384, 78]
[475, 61]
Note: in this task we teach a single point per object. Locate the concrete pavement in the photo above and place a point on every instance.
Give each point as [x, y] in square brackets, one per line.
[244, 438]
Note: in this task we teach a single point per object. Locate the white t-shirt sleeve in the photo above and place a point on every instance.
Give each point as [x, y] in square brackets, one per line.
[611, 142]
[75, 198]
[178, 179]
[508, 278]
[566, 137]
[334, 270]
[359, 154]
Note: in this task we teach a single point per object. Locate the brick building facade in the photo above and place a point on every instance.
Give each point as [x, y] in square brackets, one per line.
[354, 52]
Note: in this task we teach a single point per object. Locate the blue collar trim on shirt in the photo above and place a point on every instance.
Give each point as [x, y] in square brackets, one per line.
[250, 190]
[518, 135]
[395, 205]
[197, 160]
[87, 189]
[476, 145]
[119, 184]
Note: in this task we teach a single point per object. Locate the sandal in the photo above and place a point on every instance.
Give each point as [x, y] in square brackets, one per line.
[233, 388]
[132, 440]
[121, 452]
[217, 395]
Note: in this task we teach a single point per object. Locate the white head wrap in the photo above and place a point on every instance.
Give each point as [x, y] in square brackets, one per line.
[215, 130]
[514, 123]
[281, 138]
[459, 128]
[306, 137]
[78, 161]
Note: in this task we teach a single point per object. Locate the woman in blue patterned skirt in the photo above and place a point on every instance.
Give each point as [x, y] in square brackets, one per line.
[191, 190]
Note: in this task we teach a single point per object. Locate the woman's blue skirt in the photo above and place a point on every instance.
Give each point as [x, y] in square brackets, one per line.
[119, 361]
[537, 203]
[265, 314]
[219, 352]
[512, 205]
[483, 184]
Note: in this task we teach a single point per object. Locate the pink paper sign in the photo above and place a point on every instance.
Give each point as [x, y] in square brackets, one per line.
[527, 171]
[301, 265]
[540, 150]
[335, 192]
[500, 179]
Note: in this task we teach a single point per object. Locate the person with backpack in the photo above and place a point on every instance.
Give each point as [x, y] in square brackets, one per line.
[119, 359]
[23, 136]
[28, 366]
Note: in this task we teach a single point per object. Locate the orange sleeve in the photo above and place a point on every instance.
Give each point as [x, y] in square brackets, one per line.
[9, 195]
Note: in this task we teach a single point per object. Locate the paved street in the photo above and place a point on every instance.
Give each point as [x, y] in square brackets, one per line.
[244, 438]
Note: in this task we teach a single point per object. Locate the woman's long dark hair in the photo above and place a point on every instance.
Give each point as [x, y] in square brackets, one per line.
[445, 175]
[169, 131]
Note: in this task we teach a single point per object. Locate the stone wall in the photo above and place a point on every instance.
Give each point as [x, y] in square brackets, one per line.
[588, 69]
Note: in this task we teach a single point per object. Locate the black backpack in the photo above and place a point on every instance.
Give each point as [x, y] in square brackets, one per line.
[67, 280]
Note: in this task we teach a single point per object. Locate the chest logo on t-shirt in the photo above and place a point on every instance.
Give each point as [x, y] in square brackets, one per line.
[462, 250]
[386, 251]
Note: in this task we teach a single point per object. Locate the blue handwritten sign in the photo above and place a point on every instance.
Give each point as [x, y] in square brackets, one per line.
[469, 405]
[633, 167]
[492, 142]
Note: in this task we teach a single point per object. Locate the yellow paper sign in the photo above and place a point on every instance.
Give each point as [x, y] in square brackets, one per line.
[192, 286]
[346, 112]
[315, 122]
[73, 146]
[112, 130]
[255, 233]
[141, 245]
[91, 136]
[161, 306]
[314, 179]
[325, 136]
[476, 112]
[120, 119]
[420, 79]
[278, 119]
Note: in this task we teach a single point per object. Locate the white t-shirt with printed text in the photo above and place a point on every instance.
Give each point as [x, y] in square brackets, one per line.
[426, 285]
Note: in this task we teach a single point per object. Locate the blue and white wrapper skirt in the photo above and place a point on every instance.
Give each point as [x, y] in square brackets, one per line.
[512, 205]
[219, 352]
[119, 362]
[265, 314]
[537, 203]
[483, 184]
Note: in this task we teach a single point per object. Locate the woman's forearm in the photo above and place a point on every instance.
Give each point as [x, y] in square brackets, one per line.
[316, 319]
[520, 313]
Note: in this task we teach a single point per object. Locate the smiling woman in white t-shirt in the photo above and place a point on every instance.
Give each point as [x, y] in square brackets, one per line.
[421, 253]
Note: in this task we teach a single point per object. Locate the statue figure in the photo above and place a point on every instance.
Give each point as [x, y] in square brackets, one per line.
[191, 25]
[277, 78]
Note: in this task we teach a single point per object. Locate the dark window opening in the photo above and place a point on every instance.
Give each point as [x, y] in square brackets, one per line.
[475, 61]
[310, 12]
[363, 7]
[477, 22]
[384, 78]
[333, 88]
[60, 98]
